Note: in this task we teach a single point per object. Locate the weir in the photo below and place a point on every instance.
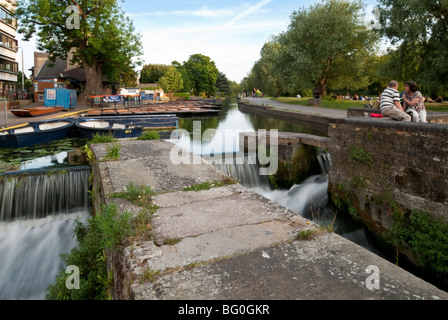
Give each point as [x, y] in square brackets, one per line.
[39, 210]
[40, 193]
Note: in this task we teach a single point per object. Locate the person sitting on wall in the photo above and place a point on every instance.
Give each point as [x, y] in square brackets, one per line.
[414, 102]
[390, 103]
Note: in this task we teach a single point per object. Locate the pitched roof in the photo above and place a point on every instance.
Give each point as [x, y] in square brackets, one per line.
[52, 69]
[77, 74]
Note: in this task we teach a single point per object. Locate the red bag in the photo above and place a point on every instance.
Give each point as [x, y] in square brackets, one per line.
[376, 115]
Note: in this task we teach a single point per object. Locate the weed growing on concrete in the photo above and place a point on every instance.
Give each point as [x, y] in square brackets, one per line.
[306, 234]
[210, 184]
[149, 135]
[140, 196]
[113, 151]
[148, 276]
[171, 241]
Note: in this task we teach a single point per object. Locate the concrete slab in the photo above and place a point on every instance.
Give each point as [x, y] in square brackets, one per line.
[328, 267]
[207, 211]
[150, 163]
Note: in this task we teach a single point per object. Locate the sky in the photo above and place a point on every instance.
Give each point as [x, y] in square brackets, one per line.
[230, 32]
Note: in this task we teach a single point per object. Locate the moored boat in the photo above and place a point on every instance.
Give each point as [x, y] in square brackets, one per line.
[35, 111]
[90, 127]
[146, 121]
[35, 133]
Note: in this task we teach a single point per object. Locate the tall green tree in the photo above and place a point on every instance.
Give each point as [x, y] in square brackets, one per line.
[222, 84]
[419, 31]
[151, 73]
[203, 73]
[172, 80]
[268, 70]
[101, 37]
[185, 80]
[326, 45]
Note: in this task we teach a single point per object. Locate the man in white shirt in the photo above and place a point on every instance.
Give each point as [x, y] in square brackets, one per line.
[390, 103]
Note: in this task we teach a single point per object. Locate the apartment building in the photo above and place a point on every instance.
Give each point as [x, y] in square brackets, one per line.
[8, 48]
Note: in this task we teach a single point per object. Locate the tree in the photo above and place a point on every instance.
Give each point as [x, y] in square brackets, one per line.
[222, 84]
[419, 30]
[326, 45]
[185, 80]
[99, 35]
[269, 71]
[151, 73]
[172, 80]
[202, 72]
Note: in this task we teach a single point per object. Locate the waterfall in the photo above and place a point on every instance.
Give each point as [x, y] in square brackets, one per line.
[38, 216]
[242, 168]
[39, 194]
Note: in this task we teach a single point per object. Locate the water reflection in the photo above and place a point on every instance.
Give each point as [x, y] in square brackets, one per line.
[206, 136]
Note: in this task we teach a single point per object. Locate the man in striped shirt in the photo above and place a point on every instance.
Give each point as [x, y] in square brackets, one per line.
[390, 103]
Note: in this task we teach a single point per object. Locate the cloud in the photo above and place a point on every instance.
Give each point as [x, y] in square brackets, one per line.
[242, 15]
[203, 12]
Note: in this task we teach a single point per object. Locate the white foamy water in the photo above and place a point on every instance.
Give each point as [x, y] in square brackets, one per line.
[30, 254]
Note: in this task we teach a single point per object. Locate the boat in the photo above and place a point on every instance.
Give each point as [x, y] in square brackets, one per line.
[146, 121]
[35, 133]
[35, 111]
[87, 128]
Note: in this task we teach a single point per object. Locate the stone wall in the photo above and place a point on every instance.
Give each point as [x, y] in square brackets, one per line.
[432, 117]
[383, 168]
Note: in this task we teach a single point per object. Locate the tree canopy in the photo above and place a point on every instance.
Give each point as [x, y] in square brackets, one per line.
[151, 73]
[419, 31]
[171, 80]
[203, 73]
[103, 41]
[325, 45]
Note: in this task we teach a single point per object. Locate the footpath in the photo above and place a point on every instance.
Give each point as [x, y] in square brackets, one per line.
[305, 110]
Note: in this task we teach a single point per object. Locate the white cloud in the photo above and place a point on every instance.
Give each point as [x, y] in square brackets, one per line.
[203, 12]
[245, 13]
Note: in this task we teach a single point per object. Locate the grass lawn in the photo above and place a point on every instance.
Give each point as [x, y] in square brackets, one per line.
[346, 104]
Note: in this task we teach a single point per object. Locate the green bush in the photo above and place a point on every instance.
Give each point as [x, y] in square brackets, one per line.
[106, 231]
[185, 96]
[307, 93]
[149, 135]
[428, 239]
[102, 138]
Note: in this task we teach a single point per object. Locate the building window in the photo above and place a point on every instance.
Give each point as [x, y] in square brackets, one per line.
[8, 42]
[8, 18]
[9, 66]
